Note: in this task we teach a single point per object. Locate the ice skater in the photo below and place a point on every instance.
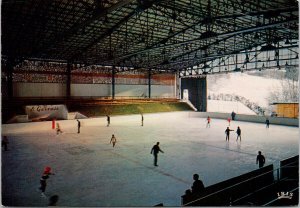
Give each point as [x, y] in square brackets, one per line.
[156, 149]
[113, 140]
[267, 123]
[227, 132]
[238, 132]
[78, 126]
[260, 159]
[58, 129]
[108, 120]
[142, 119]
[228, 119]
[43, 180]
[198, 186]
[208, 122]
[4, 143]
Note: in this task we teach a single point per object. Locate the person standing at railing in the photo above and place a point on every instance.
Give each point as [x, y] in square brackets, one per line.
[267, 123]
[260, 159]
[233, 115]
[198, 186]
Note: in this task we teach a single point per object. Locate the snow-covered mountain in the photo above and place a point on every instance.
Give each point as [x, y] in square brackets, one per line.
[256, 89]
[221, 106]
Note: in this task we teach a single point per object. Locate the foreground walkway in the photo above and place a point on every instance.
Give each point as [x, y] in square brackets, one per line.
[90, 172]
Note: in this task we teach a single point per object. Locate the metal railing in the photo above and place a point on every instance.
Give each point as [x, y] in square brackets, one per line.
[277, 177]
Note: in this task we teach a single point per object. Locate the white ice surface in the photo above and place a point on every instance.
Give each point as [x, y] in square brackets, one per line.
[90, 172]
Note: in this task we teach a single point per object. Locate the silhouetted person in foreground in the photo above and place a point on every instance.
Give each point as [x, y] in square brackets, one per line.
[108, 120]
[53, 200]
[227, 132]
[233, 115]
[142, 120]
[155, 150]
[238, 132]
[78, 125]
[4, 143]
[267, 123]
[113, 140]
[198, 186]
[260, 159]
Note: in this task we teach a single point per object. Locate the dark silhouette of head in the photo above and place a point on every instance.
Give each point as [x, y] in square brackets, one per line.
[259, 152]
[157, 143]
[53, 200]
[195, 177]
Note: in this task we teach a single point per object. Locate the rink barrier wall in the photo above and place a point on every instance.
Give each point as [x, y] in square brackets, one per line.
[223, 193]
[248, 118]
[289, 167]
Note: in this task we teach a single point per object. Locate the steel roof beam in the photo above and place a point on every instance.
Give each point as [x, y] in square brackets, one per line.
[96, 15]
[246, 30]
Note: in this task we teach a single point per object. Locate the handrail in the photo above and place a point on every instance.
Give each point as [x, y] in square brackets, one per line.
[247, 180]
[219, 191]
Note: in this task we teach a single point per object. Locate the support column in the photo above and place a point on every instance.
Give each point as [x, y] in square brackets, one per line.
[10, 68]
[149, 83]
[113, 84]
[68, 92]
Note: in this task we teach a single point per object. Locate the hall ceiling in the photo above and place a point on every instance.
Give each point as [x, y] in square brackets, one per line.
[158, 35]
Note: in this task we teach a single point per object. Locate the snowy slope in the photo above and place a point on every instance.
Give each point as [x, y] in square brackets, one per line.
[221, 106]
[254, 88]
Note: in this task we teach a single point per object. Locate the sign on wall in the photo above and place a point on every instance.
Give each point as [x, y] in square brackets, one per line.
[46, 112]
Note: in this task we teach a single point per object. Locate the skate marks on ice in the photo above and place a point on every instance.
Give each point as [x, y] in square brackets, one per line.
[152, 168]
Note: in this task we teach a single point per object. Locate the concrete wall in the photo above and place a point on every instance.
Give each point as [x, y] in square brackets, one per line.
[248, 118]
[91, 90]
[39, 89]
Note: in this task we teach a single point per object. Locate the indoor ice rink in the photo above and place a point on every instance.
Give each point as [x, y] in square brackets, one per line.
[90, 172]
